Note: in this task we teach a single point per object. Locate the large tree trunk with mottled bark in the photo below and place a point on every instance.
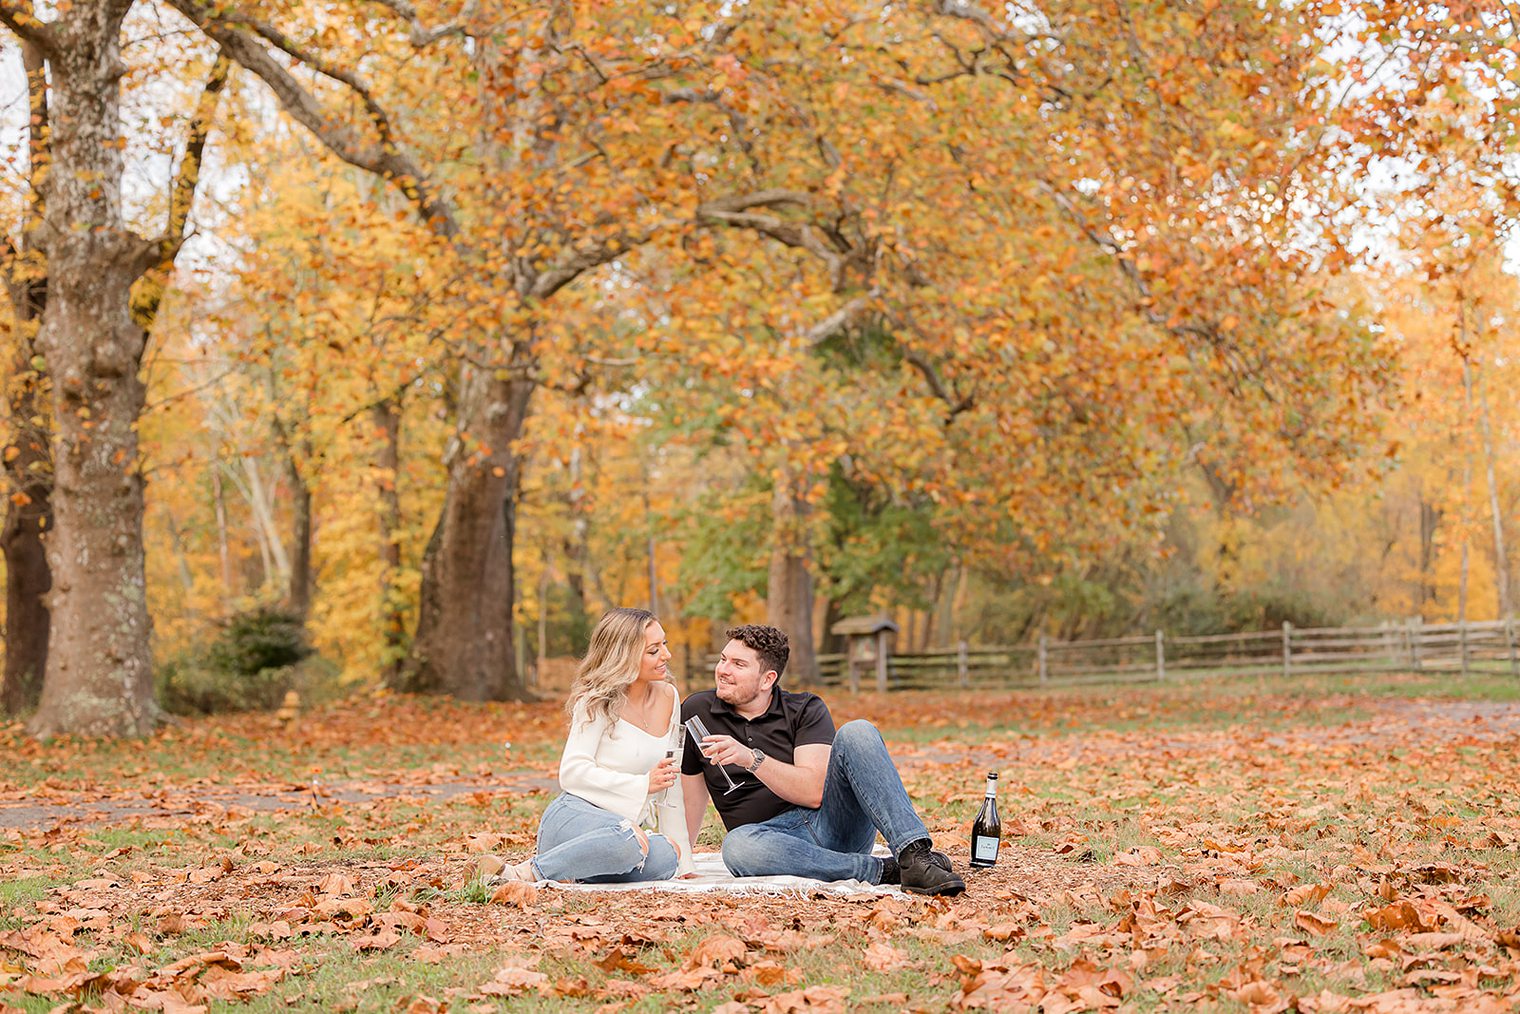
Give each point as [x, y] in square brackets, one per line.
[99, 672]
[464, 642]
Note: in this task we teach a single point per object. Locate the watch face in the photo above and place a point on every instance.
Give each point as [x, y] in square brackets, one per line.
[758, 758]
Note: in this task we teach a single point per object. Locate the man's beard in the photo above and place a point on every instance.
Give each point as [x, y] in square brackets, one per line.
[733, 699]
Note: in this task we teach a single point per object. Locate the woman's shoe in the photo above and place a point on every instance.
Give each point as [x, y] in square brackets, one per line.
[522, 872]
[484, 868]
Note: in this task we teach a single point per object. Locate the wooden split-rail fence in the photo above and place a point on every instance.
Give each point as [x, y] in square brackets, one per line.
[1410, 647]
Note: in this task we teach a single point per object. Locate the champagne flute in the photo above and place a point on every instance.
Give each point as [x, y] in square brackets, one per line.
[677, 744]
[673, 752]
[698, 731]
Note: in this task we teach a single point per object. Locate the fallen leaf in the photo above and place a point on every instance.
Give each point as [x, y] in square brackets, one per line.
[717, 951]
[382, 940]
[515, 981]
[829, 999]
[515, 892]
[1313, 924]
[1305, 895]
[883, 957]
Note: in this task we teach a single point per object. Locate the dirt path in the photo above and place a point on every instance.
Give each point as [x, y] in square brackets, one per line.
[168, 806]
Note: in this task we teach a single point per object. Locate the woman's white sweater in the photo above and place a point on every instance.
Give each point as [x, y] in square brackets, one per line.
[607, 763]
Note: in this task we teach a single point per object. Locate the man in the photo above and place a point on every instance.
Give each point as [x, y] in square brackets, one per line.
[809, 800]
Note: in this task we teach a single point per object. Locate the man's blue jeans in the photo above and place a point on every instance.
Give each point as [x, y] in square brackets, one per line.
[581, 841]
[862, 794]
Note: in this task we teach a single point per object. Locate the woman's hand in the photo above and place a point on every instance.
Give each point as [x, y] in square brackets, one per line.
[663, 776]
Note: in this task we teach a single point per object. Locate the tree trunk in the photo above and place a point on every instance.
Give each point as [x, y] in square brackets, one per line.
[387, 417]
[1425, 596]
[28, 516]
[29, 510]
[27, 577]
[99, 677]
[1501, 558]
[1465, 565]
[224, 555]
[789, 593]
[299, 595]
[464, 644]
[832, 644]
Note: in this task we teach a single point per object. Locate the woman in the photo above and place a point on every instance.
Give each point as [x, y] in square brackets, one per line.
[617, 766]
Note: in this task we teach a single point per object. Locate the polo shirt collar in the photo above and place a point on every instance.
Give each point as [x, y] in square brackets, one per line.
[721, 706]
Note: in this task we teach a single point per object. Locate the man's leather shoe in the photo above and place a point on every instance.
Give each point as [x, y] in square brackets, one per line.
[922, 873]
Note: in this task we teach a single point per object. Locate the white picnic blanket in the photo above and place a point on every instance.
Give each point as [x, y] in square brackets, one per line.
[713, 876]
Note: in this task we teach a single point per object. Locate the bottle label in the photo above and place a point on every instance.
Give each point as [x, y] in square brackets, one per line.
[985, 848]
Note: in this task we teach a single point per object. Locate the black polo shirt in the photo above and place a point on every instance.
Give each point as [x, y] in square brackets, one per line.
[792, 720]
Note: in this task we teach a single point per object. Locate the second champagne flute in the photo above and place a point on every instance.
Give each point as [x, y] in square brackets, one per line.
[698, 731]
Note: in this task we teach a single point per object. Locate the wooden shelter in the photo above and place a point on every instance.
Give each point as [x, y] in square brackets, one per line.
[870, 640]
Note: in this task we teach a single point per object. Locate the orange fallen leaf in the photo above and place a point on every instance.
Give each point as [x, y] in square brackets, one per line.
[1401, 915]
[717, 951]
[1438, 941]
[515, 892]
[813, 998]
[383, 940]
[1313, 924]
[1258, 994]
[1306, 895]
[769, 974]
[1004, 931]
[514, 981]
[617, 961]
[968, 966]
[883, 957]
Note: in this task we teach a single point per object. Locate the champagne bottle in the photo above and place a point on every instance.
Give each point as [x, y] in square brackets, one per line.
[987, 829]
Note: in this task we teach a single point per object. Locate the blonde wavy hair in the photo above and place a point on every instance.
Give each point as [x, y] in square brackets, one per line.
[611, 664]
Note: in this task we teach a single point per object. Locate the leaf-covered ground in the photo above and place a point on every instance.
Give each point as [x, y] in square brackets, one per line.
[1322, 845]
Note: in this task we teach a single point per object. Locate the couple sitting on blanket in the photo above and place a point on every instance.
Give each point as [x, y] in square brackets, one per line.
[809, 800]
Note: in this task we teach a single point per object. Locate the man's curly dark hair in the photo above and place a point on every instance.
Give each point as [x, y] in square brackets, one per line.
[768, 643]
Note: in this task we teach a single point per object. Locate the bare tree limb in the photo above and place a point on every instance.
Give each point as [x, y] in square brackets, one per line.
[39, 129]
[385, 159]
[21, 20]
[21, 265]
[166, 249]
[419, 35]
[837, 321]
[578, 262]
[758, 199]
[937, 385]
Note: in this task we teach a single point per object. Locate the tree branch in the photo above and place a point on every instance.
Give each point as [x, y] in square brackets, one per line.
[837, 321]
[937, 385]
[21, 20]
[164, 250]
[419, 35]
[385, 159]
[39, 130]
[551, 280]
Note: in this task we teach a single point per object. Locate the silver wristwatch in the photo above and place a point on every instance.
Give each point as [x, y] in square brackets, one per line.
[759, 760]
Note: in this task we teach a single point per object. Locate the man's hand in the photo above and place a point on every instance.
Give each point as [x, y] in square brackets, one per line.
[799, 782]
[663, 776]
[727, 751]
